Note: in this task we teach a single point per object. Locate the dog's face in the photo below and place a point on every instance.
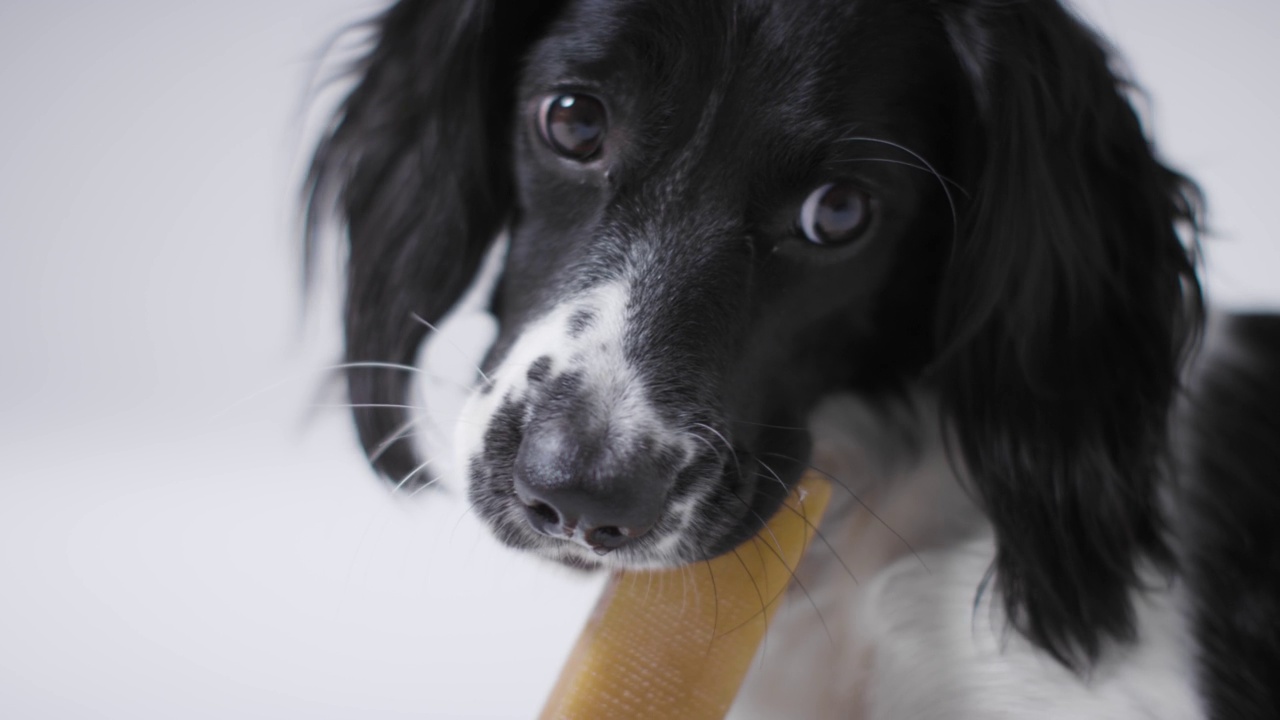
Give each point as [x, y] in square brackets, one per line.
[724, 211]
[721, 212]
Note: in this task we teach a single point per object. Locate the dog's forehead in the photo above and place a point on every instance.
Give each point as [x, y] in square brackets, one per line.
[788, 50]
[783, 77]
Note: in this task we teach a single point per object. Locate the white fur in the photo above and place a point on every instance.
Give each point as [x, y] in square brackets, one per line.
[619, 397]
[906, 641]
[934, 655]
[610, 381]
[449, 363]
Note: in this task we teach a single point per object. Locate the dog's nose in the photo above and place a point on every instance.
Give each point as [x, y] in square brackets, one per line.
[576, 485]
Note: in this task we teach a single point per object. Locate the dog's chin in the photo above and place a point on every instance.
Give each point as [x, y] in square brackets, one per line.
[773, 483]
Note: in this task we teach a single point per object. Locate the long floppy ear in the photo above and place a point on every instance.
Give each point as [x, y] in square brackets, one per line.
[1065, 314]
[416, 164]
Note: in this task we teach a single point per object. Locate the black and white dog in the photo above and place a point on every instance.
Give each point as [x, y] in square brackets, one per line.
[922, 246]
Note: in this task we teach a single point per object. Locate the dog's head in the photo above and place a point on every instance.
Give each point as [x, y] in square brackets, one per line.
[720, 213]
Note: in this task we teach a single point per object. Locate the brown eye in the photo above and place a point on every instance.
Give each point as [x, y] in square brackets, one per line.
[573, 125]
[835, 213]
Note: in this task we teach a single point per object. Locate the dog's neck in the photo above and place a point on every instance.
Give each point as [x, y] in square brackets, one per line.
[897, 498]
[896, 591]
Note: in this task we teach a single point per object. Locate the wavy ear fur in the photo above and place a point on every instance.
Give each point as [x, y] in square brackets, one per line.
[1066, 311]
[416, 164]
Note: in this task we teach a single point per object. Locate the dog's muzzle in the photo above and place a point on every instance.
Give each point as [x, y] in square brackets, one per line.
[580, 484]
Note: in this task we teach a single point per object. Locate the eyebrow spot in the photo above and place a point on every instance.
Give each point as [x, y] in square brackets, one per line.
[580, 322]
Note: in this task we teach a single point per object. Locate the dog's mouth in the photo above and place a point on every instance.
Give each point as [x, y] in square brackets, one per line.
[715, 504]
[765, 478]
[772, 483]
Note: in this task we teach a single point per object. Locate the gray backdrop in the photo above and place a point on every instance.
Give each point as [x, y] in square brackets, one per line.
[174, 540]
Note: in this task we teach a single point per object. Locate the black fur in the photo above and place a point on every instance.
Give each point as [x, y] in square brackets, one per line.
[1030, 263]
[1229, 517]
[416, 166]
[1067, 309]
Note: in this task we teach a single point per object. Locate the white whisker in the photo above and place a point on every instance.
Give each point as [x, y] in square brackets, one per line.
[348, 406]
[732, 453]
[436, 330]
[805, 519]
[249, 397]
[435, 377]
[422, 487]
[714, 452]
[904, 163]
[951, 201]
[373, 364]
[412, 472]
[774, 473]
[398, 434]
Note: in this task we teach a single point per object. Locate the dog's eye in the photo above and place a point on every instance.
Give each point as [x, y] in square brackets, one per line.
[573, 125]
[835, 213]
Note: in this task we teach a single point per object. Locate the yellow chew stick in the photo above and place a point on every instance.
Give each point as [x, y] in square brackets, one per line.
[678, 643]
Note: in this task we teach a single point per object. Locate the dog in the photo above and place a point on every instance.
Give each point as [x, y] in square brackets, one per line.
[923, 247]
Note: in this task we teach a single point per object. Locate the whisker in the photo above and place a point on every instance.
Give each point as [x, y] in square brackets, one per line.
[732, 453]
[715, 605]
[364, 535]
[397, 435]
[813, 603]
[684, 589]
[249, 397]
[436, 377]
[436, 330]
[714, 452]
[904, 163]
[763, 567]
[766, 425]
[839, 483]
[817, 533]
[763, 606]
[942, 181]
[412, 472]
[471, 506]
[777, 552]
[697, 589]
[374, 364]
[775, 475]
[776, 542]
[330, 378]
[781, 598]
[348, 406]
[422, 487]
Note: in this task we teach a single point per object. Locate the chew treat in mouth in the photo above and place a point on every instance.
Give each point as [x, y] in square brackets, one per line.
[678, 643]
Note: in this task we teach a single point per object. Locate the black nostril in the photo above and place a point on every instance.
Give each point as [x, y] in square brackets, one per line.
[581, 485]
[545, 519]
[609, 537]
[604, 539]
[544, 512]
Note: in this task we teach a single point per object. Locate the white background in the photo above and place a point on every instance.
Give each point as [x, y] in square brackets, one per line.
[186, 530]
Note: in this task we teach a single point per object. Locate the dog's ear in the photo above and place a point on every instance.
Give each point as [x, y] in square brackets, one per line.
[416, 165]
[1066, 310]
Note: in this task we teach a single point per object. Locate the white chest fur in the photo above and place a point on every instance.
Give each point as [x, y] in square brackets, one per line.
[905, 641]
